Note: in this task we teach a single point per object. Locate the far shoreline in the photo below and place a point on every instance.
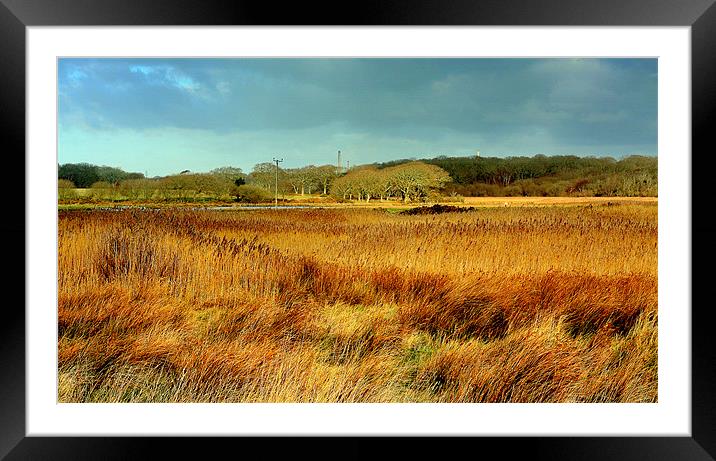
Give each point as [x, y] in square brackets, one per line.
[486, 202]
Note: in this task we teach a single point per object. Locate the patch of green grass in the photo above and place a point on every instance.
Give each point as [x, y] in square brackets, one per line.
[394, 210]
[417, 347]
[76, 206]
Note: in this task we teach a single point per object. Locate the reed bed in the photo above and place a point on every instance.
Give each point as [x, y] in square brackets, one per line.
[555, 304]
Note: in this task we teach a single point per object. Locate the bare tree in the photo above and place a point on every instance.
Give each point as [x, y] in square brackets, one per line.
[264, 175]
[324, 175]
[307, 179]
[412, 181]
[415, 179]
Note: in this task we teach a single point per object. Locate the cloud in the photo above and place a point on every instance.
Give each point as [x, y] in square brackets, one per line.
[423, 102]
[146, 70]
[75, 77]
[166, 75]
[223, 87]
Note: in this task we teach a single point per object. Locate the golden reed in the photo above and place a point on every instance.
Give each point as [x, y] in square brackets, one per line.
[552, 304]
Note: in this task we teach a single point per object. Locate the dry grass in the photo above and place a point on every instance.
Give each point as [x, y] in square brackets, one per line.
[553, 304]
[552, 201]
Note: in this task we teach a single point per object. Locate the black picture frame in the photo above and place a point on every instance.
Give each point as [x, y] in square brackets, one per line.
[700, 15]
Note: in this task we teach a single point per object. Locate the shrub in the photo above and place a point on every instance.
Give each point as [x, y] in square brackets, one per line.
[66, 190]
[101, 185]
[452, 198]
[251, 194]
[578, 186]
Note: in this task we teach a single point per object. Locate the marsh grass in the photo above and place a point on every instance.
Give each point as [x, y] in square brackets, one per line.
[494, 305]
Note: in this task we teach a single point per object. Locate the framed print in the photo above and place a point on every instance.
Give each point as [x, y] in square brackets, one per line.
[423, 221]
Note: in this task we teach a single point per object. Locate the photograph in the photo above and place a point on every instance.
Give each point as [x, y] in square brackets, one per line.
[357, 229]
[476, 224]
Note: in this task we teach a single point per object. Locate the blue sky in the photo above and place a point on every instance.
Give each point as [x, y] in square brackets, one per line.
[162, 116]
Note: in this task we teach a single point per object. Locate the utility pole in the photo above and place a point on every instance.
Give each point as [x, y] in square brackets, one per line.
[277, 161]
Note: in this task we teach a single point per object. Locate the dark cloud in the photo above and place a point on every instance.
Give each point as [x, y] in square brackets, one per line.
[590, 102]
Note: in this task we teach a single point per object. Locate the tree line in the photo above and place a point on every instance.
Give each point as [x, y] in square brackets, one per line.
[406, 180]
[543, 175]
[115, 184]
[85, 174]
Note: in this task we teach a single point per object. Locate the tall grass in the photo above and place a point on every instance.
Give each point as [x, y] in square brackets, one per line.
[496, 305]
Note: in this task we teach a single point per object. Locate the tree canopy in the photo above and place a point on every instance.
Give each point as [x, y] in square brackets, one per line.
[410, 181]
[407, 180]
[83, 175]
